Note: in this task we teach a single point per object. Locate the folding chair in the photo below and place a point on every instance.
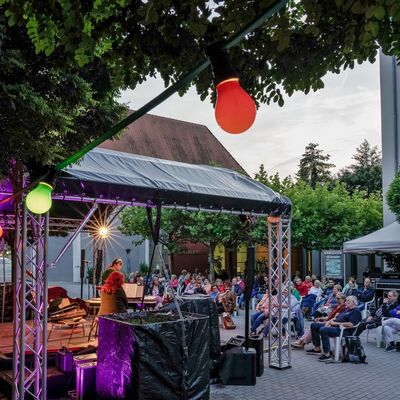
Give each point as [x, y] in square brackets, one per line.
[68, 317]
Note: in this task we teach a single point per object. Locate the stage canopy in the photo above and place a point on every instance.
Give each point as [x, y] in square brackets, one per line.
[111, 176]
[385, 240]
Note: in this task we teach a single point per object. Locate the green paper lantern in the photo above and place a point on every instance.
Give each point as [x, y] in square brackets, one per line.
[38, 200]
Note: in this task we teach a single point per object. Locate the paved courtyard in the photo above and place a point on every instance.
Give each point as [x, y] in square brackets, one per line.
[309, 379]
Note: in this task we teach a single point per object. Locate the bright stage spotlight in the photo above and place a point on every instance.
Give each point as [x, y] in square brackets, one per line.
[104, 232]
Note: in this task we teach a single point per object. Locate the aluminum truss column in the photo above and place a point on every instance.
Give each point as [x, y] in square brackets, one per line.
[30, 308]
[279, 292]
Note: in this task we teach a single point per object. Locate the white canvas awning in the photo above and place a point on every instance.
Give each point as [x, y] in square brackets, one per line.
[385, 240]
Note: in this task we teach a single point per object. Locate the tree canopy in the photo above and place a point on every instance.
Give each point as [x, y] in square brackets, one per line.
[49, 107]
[324, 216]
[366, 173]
[314, 166]
[291, 52]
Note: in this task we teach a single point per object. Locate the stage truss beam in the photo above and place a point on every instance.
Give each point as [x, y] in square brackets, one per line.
[279, 293]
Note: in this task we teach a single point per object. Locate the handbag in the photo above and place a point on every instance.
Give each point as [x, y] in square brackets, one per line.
[228, 323]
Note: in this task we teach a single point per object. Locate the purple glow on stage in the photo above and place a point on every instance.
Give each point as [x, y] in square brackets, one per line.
[114, 359]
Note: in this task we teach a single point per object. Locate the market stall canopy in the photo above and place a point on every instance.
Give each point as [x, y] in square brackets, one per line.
[385, 240]
[124, 178]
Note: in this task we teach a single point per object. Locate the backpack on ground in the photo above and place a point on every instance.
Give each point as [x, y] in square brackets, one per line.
[353, 351]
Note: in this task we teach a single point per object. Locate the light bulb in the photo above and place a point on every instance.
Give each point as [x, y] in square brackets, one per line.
[103, 232]
[39, 200]
[235, 110]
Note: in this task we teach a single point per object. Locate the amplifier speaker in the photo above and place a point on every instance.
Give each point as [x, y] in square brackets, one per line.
[238, 367]
[256, 343]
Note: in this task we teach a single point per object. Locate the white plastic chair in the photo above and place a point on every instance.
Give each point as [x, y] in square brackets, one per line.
[338, 341]
[365, 312]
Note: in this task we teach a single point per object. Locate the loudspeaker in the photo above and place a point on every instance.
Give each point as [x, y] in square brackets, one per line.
[238, 367]
[256, 343]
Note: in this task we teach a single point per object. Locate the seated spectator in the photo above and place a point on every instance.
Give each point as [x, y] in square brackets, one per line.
[324, 282]
[300, 286]
[316, 288]
[351, 288]
[240, 282]
[366, 294]
[207, 286]
[174, 283]
[307, 304]
[339, 307]
[321, 332]
[275, 308]
[262, 311]
[295, 293]
[156, 290]
[308, 282]
[182, 277]
[375, 319]
[186, 281]
[328, 287]
[198, 287]
[236, 287]
[323, 307]
[214, 292]
[220, 285]
[390, 327]
[189, 289]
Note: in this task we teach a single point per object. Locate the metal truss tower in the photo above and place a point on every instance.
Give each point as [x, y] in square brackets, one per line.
[279, 292]
[30, 311]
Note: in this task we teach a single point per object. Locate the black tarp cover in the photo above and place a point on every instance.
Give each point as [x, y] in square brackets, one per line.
[146, 362]
[204, 305]
[113, 175]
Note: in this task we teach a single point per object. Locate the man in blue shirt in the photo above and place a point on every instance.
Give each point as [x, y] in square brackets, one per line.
[321, 333]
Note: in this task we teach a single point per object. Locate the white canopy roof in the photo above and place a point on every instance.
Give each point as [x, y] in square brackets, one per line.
[385, 240]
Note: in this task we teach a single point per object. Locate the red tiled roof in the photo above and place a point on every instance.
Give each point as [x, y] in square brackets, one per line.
[172, 139]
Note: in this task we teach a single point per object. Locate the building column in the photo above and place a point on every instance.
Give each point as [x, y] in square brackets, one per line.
[390, 122]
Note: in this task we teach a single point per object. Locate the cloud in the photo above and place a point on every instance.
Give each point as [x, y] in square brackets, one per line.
[338, 117]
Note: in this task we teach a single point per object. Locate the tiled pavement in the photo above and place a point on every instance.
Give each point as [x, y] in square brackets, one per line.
[309, 379]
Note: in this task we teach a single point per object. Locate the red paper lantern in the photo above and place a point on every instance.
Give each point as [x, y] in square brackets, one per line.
[235, 110]
[1, 232]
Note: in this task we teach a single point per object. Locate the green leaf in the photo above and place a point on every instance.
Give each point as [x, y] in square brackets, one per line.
[379, 12]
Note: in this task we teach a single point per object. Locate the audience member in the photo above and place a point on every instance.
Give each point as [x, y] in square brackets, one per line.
[307, 337]
[366, 294]
[350, 289]
[156, 290]
[324, 306]
[321, 332]
[375, 319]
[262, 312]
[390, 327]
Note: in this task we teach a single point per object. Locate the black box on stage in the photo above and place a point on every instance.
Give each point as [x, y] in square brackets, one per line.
[256, 343]
[86, 381]
[238, 367]
[64, 359]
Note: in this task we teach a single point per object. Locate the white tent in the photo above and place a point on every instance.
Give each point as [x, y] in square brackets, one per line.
[385, 240]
